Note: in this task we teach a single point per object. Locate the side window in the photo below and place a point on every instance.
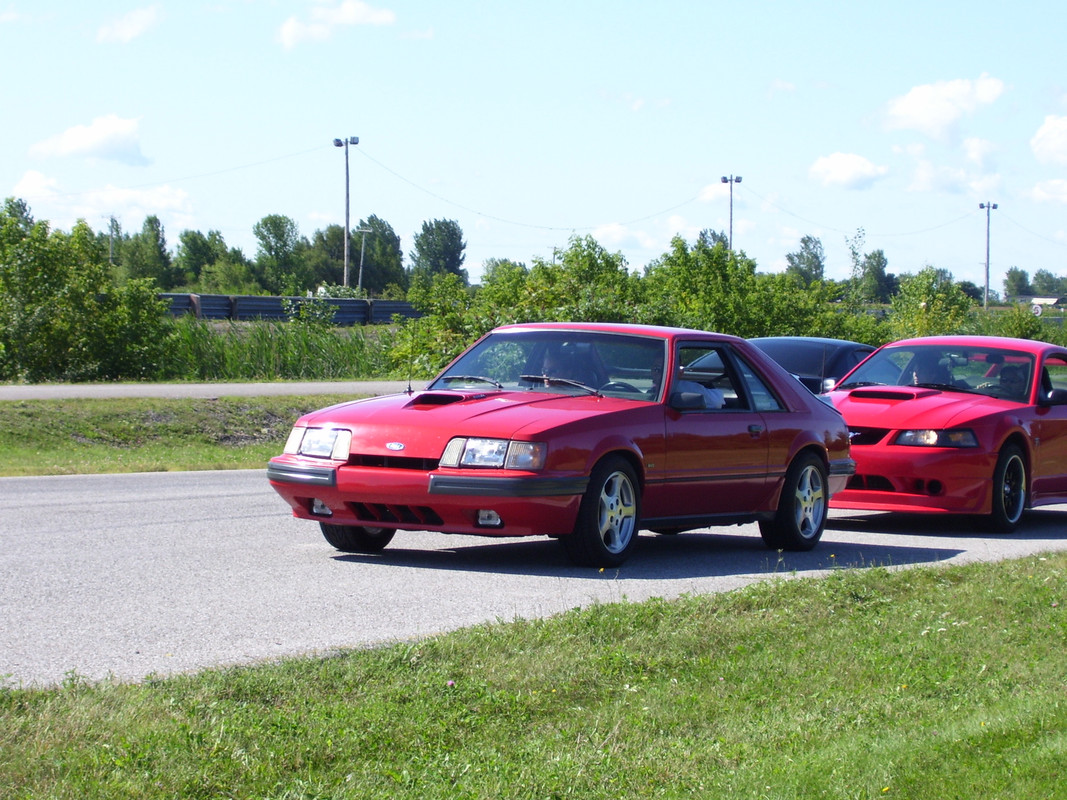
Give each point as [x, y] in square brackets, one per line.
[1053, 376]
[704, 372]
[762, 396]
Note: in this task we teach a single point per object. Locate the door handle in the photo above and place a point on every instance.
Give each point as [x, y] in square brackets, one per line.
[755, 431]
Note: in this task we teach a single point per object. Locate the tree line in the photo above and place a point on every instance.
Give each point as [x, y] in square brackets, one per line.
[285, 261]
[82, 305]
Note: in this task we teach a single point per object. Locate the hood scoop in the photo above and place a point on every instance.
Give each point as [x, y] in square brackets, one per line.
[891, 393]
[439, 398]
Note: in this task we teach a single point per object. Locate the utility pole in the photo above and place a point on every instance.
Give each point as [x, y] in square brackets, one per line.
[988, 207]
[345, 143]
[731, 180]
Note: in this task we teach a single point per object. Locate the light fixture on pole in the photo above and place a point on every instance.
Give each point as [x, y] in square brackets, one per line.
[731, 180]
[345, 143]
[988, 207]
[362, 247]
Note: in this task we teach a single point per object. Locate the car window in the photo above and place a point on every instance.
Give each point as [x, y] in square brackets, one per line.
[705, 371]
[762, 396]
[1054, 376]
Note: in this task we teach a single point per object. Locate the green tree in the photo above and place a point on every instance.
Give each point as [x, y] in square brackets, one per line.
[383, 260]
[61, 315]
[808, 263]
[279, 266]
[1047, 284]
[928, 304]
[1017, 283]
[195, 252]
[704, 286]
[439, 248]
[145, 256]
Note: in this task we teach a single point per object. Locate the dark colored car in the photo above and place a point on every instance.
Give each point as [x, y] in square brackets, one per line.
[583, 432]
[819, 363]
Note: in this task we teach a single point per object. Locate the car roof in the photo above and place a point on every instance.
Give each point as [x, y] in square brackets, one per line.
[808, 339]
[1008, 343]
[616, 327]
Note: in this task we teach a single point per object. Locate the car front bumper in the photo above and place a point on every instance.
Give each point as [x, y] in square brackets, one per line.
[921, 480]
[454, 501]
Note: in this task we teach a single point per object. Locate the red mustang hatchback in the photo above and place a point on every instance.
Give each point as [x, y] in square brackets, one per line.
[957, 424]
[584, 432]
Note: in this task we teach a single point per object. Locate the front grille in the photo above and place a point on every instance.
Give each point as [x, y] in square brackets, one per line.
[865, 436]
[876, 483]
[389, 512]
[393, 462]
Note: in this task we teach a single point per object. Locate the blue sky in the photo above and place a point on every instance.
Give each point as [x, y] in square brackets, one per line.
[529, 122]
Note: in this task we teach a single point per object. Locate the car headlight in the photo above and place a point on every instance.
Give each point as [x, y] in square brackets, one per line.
[332, 443]
[494, 453]
[937, 438]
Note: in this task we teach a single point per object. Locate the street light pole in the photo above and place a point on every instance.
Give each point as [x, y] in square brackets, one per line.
[731, 180]
[362, 247]
[345, 143]
[988, 207]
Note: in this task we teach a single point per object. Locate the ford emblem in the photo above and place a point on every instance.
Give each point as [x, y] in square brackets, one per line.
[394, 446]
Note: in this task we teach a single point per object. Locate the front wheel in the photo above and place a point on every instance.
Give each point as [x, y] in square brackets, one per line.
[798, 524]
[606, 529]
[356, 538]
[1009, 490]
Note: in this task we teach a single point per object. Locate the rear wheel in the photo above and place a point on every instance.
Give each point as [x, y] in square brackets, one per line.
[606, 529]
[356, 538]
[801, 516]
[1009, 490]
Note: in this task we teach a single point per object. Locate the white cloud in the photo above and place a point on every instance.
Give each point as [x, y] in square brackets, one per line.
[326, 16]
[934, 108]
[1053, 191]
[1050, 142]
[978, 150]
[110, 138]
[130, 206]
[128, 27]
[846, 170]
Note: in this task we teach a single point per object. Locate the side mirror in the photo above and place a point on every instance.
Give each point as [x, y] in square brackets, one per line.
[1057, 397]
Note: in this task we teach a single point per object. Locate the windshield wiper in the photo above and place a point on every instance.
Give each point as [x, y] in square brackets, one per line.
[473, 379]
[552, 379]
[945, 387]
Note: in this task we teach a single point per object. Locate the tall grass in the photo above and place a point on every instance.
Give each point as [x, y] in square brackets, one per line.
[208, 351]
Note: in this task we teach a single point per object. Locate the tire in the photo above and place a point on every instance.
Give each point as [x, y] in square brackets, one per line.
[1009, 490]
[605, 532]
[798, 524]
[357, 539]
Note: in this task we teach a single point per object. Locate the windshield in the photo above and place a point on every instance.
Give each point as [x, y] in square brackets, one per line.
[991, 371]
[561, 362]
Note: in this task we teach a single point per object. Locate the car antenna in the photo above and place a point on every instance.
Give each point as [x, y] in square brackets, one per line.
[411, 355]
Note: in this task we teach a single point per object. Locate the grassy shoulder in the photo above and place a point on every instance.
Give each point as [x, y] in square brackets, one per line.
[928, 682]
[63, 437]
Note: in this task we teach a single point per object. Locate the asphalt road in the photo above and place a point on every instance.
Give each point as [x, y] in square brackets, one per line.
[157, 573]
[63, 391]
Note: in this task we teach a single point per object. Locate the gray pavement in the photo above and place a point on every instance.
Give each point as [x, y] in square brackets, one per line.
[66, 391]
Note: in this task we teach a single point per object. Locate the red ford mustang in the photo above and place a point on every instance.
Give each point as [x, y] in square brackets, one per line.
[957, 424]
[584, 432]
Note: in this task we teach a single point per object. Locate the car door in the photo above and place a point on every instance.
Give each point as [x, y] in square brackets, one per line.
[1049, 432]
[716, 440]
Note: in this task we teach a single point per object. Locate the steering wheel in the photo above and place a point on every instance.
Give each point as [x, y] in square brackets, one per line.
[620, 386]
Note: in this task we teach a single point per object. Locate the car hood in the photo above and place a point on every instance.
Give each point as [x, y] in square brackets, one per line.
[423, 422]
[906, 407]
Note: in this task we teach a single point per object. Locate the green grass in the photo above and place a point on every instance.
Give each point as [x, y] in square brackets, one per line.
[62, 437]
[924, 683]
